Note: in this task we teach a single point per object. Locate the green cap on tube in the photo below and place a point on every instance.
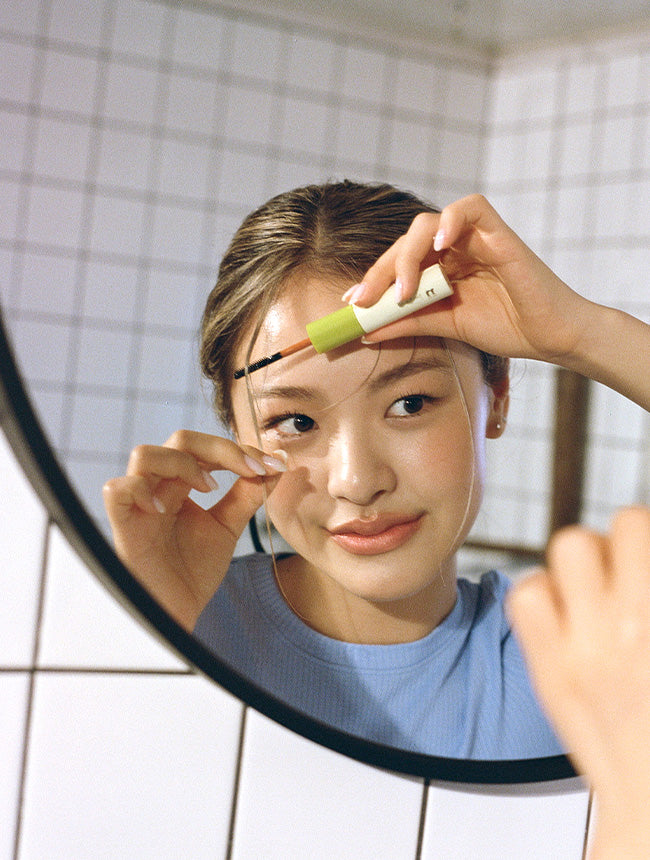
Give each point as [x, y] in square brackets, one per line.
[334, 330]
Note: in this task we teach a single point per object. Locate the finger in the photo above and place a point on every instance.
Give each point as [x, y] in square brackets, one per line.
[241, 502]
[577, 560]
[121, 495]
[219, 453]
[157, 463]
[630, 560]
[460, 221]
[535, 613]
[402, 263]
[435, 321]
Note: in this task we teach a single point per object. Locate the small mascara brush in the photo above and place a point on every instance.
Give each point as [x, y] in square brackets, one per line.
[351, 322]
[269, 359]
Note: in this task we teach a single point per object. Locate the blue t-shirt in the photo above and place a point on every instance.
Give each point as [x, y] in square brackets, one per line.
[462, 691]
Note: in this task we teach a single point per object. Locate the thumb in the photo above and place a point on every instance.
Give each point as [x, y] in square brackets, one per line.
[241, 501]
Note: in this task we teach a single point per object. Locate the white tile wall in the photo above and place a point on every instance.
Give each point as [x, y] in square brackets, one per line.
[22, 531]
[301, 800]
[524, 821]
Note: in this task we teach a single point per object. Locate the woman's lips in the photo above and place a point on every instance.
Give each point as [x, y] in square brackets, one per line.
[373, 537]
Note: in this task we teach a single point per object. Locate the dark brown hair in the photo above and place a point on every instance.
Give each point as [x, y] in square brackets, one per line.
[335, 230]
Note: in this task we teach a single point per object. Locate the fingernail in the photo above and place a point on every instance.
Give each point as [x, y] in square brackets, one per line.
[209, 480]
[254, 465]
[158, 505]
[439, 241]
[278, 461]
[356, 293]
[346, 295]
[399, 291]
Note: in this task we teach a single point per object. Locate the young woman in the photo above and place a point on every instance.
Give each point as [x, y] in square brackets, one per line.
[370, 459]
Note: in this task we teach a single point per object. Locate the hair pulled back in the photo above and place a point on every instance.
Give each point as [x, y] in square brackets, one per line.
[335, 230]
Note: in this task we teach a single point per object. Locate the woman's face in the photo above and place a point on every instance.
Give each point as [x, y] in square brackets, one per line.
[385, 454]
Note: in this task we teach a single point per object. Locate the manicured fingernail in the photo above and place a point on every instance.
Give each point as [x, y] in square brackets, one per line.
[356, 294]
[439, 241]
[254, 465]
[209, 480]
[278, 461]
[158, 505]
[399, 291]
[346, 295]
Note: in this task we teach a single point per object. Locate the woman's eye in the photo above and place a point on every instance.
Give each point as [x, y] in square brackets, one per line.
[292, 424]
[410, 405]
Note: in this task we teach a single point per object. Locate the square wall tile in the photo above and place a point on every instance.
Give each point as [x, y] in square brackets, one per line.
[358, 133]
[18, 17]
[55, 216]
[178, 235]
[14, 690]
[124, 159]
[110, 292]
[194, 104]
[13, 133]
[312, 62]
[183, 169]
[85, 626]
[421, 85]
[22, 539]
[103, 356]
[175, 299]
[306, 125]
[131, 767]
[250, 114]
[535, 822]
[78, 23]
[256, 50]
[69, 82]
[45, 276]
[298, 799]
[459, 156]
[198, 36]
[96, 421]
[166, 363]
[117, 225]
[243, 178]
[410, 146]
[139, 27]
[364, 74]
[41, 349]
[131, 93]
[466, 94]
[16, 71]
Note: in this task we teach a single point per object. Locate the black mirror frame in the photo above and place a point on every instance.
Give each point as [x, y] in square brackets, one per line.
[23, 430]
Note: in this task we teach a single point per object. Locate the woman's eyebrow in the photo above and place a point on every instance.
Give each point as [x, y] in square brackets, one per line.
[411, 368]
[291, 392]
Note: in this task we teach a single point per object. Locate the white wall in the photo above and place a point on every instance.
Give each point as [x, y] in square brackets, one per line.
[568, 162]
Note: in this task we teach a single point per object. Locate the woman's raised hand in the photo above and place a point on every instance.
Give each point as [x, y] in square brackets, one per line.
[176, 548]
[584, 626]
[506, 300]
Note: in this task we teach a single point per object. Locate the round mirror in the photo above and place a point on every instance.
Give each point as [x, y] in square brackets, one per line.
[142, 134]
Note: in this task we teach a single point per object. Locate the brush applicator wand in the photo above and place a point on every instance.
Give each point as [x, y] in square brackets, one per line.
[351, 322]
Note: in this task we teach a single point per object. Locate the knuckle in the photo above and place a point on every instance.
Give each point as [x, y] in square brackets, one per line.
[179, 439]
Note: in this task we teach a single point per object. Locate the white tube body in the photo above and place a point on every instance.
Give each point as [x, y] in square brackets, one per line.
[433, 287]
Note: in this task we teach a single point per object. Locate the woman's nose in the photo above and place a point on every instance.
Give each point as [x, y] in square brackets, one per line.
[359, 470]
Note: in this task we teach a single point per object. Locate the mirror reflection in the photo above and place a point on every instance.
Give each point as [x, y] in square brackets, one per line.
[130, 176]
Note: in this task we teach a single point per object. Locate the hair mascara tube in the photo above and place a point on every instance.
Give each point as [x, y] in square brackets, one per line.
[352, 322]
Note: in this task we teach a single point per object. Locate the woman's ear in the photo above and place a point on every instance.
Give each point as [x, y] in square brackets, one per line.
[499, 403]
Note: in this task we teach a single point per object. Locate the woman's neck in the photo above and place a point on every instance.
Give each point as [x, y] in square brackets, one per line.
[335, 612]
